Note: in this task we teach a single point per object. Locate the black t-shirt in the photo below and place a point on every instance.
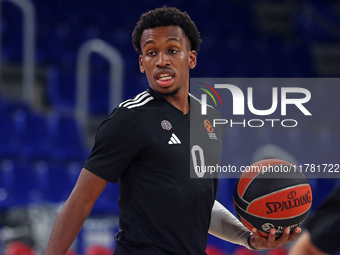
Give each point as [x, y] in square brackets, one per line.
[147, 144]
[324, 224]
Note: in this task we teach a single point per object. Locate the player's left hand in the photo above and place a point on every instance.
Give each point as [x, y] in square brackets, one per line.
[259, 242]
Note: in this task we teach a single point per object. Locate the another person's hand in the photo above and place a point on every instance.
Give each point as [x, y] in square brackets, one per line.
[259, 242]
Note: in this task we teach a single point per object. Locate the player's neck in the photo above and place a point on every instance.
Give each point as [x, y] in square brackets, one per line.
[180, 101]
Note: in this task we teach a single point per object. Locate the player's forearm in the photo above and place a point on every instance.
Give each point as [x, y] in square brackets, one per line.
[67, 226]
[226, 226]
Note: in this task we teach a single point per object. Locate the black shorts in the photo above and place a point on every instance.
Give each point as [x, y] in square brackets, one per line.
[324, 224]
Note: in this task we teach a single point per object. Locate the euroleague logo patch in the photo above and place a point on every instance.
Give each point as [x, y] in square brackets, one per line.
[210, 129]
[208, 126]
[166, 125]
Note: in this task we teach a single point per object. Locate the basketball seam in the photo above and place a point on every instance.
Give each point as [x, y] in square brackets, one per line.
[248, 184]
[261, 172]
[243, 200]
[260, 230]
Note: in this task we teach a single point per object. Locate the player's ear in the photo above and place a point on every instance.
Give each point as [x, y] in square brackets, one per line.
[141, 64]
[192, 59]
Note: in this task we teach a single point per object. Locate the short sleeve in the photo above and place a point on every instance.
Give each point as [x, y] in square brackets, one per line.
[118, 141]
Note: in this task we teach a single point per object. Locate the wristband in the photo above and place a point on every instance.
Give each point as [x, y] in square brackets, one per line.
[249, 244]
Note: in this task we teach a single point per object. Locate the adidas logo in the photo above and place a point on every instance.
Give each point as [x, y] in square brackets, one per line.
[174, 139]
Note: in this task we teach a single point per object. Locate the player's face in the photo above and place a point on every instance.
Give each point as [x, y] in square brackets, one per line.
[166, 59]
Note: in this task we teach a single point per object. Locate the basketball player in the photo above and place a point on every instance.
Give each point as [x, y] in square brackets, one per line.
[147, 145]
[322, 233]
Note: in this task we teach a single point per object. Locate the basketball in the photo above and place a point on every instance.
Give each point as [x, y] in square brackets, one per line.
[272, 193]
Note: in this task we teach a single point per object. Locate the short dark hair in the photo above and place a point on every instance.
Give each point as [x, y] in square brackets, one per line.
[166, 16]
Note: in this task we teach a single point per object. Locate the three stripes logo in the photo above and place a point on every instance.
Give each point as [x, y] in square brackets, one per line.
[174, 139]
[139, 100]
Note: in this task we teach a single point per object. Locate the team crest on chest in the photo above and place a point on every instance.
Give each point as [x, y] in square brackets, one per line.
[210, 129]
[166, 125]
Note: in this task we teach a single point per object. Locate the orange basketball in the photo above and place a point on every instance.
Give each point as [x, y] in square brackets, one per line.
[272, 193]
